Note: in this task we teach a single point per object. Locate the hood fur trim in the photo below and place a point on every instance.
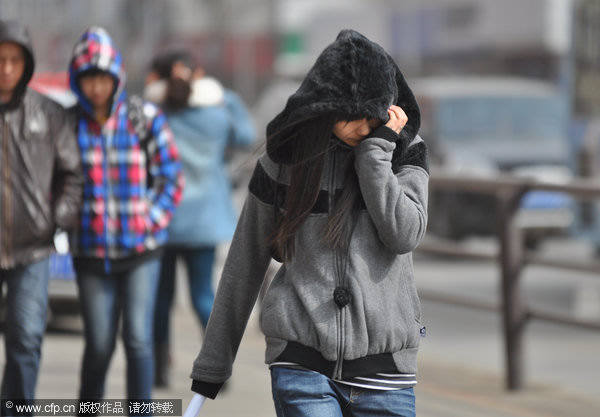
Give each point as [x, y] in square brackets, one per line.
[353, 78]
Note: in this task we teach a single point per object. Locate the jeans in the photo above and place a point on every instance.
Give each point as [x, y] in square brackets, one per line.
[301, 393]
[131, 294]
[24, 325]
[199, 263]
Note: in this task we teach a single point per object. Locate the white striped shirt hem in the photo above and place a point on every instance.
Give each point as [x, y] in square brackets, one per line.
[383, 381]
[377, 381]
[282, 364]
[381, 388]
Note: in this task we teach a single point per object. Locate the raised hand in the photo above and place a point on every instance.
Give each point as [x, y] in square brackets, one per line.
[397, 118]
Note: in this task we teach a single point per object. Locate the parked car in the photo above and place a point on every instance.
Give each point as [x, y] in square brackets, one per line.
[54, 85]
[484, 126]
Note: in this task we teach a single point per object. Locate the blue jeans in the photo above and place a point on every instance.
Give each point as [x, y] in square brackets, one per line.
[300, 393]
[199, 263]
[24, 325]
[131, 294]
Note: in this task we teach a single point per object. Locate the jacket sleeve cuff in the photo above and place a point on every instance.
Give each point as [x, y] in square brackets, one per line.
[208, 389]
[386, 133]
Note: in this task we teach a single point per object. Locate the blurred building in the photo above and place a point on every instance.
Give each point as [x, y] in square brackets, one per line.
[246, 42]
[433, 37]
[232, 39]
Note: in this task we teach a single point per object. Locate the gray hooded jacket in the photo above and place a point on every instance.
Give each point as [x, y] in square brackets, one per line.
[342, 314]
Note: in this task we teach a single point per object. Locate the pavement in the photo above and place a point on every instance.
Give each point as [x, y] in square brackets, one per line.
[461, 359]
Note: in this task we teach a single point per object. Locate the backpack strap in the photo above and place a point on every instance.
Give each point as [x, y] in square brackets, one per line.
[140, 122]
[137, 118]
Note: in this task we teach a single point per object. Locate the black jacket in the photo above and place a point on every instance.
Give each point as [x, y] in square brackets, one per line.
[40, 168]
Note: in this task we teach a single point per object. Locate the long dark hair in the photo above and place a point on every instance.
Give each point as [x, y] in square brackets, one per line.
[312, 142]
[178, 94]
[178, 90]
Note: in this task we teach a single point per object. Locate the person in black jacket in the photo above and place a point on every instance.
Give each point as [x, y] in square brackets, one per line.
[40, 191]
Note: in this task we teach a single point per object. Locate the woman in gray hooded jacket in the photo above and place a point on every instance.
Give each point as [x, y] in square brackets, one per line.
[340, 198]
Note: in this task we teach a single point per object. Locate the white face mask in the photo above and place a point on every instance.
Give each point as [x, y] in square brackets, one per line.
[156, 91]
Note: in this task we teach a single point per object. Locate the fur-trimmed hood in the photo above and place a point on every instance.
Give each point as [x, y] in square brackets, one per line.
[352, 78]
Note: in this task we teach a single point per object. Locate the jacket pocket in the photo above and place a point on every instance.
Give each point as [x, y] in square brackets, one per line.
[35, 214]
[414, 331]
[415, 302]
[147, 208]
[268, 302]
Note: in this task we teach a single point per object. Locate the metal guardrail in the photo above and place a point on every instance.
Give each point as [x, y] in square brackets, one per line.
[512, 258]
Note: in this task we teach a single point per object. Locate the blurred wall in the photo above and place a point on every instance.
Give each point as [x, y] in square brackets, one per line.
[212, 29]
[246, 42]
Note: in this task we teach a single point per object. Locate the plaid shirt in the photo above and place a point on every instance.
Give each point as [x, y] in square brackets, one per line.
[132, 184]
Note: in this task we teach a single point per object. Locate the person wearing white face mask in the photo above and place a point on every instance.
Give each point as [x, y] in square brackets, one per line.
[206, 119]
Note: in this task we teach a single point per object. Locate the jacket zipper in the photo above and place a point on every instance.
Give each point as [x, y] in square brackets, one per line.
[6, 230]
[104, 138]
[337, 370]
[2, 182]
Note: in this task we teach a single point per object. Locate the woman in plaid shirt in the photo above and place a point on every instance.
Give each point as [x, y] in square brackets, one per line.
[133, 182]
